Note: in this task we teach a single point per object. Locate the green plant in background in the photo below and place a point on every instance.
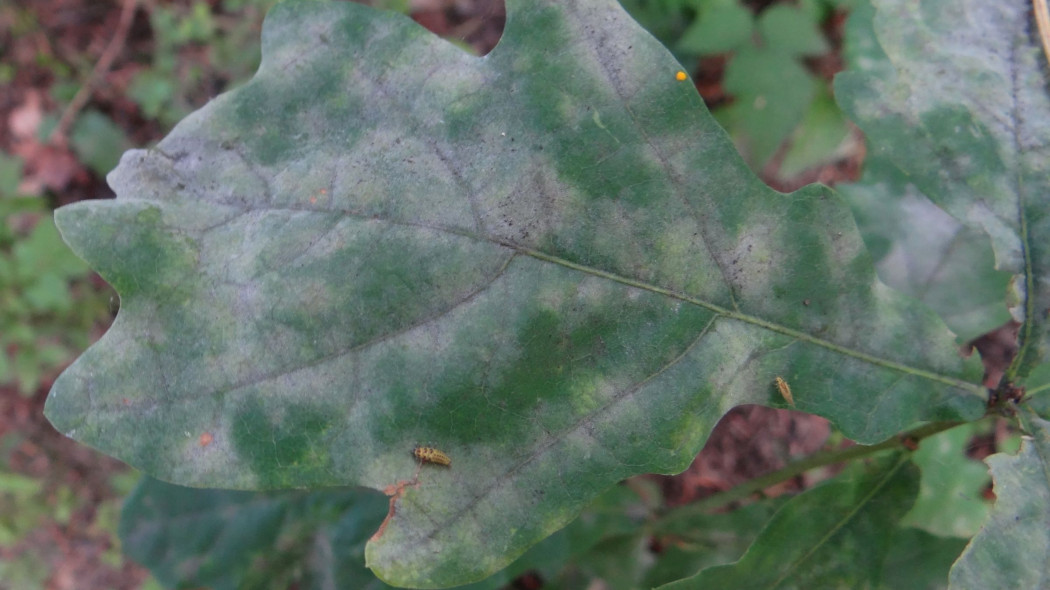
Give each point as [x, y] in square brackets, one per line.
[21, 510]
[173, 86]
[552, 265]
[48, 308]
[94, 137]
[28, 503]
[97, 141]
[16, 493]
[919, 248]
[775, 96]
[170, 88]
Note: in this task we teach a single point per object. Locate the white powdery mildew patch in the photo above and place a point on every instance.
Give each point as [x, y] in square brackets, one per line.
[309, 182]
[150, 175]
[611, 45]
[438, 338]
[927, 228]
[980, 57]
[392, 175]
[234, 251]
[447, 77]
[689, 388]
[435, 76]
[752, 261]
[1009, 252]
[550, 296]
[597, 292]
[207, 455]
[938, 55]
[285, 43]
[172, 175]
[618, 232]
[726, 352]
[529, 204]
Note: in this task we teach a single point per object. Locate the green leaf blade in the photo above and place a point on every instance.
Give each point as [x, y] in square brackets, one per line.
[919, 560]
[921, 250]
[792, 30]
[955, 95]
[950, 503]
[230, 539]
[722, 26]
[833, 536]
[773, 92]
[548, 263]
[1011, 548]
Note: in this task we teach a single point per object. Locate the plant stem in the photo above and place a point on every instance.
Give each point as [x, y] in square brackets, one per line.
[105, 62]
[814, 461]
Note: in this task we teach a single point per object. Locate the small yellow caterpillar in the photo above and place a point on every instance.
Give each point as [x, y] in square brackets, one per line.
[431, 455]
[785, 391]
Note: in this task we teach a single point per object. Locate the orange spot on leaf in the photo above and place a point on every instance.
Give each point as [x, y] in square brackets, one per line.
[681, 76]
[206, 439]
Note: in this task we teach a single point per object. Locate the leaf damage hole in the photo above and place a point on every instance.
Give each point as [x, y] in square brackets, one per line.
[477, 23]
[394, 491]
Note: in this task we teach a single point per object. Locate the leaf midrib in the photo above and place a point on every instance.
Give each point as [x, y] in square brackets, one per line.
[717, 309]
[713, 307]
[540, 255]
[1024, 338]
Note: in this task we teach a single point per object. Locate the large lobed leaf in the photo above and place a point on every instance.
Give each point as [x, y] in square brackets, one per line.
[549, 263]
[921, 250]
[955, 93]
[1012, 548]
[226, 540]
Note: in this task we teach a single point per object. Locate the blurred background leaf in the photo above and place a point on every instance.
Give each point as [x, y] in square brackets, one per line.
[778, 60]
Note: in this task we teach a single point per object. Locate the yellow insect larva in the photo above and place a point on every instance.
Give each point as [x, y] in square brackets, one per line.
[785, 391]
[431, 455]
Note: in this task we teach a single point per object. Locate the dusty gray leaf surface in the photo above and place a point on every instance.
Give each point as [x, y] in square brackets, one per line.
[955, 93]
[548, 263]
